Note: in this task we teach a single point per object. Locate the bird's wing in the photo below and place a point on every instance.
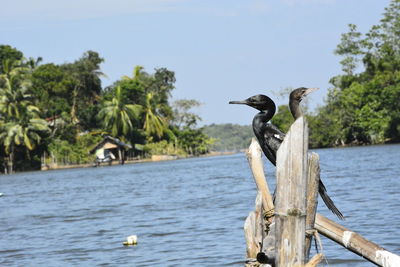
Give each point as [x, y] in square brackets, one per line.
[273, 138]
[275, 132]
[268, 151]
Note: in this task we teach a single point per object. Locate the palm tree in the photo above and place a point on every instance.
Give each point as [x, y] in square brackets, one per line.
[21, 124]
[117, 116]
[154, 123]
[21, 133]
[136, 74]
[15, 101]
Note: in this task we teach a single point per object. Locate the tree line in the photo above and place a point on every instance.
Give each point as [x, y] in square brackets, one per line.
[61, 111]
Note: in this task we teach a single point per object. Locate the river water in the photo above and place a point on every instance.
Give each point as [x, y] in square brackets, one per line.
[185, 213]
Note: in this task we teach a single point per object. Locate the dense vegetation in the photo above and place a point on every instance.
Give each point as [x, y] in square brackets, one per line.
[363, 107]
[62, 111]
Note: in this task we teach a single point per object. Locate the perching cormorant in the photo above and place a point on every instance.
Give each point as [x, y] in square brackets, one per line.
[270, 137]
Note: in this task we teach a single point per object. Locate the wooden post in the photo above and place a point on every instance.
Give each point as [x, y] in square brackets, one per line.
[253, 229]
[256, 223]
[123, 157]
[257, 168]
[312, 198]
[290, 207]
[120, 155]
[356, 243]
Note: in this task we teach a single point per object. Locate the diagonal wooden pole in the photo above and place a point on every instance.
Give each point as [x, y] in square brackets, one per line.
[356, 243]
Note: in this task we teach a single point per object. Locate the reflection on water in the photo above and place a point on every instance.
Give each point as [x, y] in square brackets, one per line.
[185, 212]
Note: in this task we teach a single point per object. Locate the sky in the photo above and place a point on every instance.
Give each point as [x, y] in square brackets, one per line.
[220, 50]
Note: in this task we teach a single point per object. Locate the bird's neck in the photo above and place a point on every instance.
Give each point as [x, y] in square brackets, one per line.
[260, 121]
[295, 109]
[265, 115]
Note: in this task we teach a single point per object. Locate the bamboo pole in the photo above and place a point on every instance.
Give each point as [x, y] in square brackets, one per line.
[356, 243]
[291, 170]
[312, 198]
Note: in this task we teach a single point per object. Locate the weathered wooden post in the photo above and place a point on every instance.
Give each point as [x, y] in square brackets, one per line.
[253, 230]
[290, 214]
[312, 198]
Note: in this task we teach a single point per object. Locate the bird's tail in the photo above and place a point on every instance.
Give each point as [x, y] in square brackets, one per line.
[328, 201]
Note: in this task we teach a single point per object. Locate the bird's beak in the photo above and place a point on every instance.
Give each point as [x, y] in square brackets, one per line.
[310, 90]
[243, 102]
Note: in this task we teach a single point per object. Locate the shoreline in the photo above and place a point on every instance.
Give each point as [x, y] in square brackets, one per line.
[116, 162]
[211, 154]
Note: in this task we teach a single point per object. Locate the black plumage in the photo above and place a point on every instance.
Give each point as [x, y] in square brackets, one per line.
[270, 137]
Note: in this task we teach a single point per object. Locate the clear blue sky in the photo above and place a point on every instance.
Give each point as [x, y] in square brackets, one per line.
[220, 50]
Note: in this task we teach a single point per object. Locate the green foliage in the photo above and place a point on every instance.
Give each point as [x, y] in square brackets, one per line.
[52, 108]
[155, 124]
[163, 148]
[20, 126]
[363, 108]
[64, 152]
[86, 87]
[151, 92]
[52, 88]
[229, 137]
[183, 117]
[7, 53]
[117, 117]
[194, 141]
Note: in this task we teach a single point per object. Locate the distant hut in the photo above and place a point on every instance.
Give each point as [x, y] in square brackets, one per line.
[109, 149]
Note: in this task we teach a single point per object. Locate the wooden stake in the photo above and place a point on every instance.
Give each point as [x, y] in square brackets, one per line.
[290, 215]
[312, 198]
[356, 243]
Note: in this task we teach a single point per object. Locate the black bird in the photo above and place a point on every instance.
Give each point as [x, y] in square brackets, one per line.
[270, 137]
